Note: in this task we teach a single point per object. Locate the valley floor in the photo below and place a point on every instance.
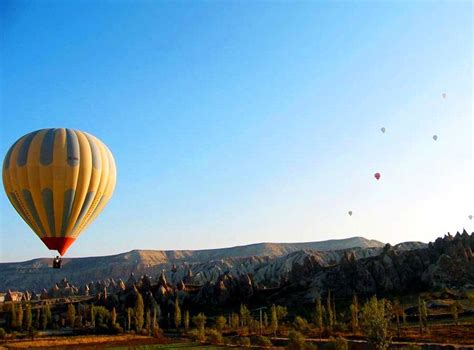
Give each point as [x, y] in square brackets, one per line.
[446, 338]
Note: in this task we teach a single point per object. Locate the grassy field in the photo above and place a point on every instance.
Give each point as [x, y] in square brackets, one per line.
[186, 346]
[96, 342]
[85, 342]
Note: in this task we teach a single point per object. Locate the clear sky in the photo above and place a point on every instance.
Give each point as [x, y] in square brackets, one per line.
[240, 122]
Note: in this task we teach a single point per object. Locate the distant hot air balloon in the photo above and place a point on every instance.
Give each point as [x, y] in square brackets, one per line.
[443, 94]
[383, 130]
[377, 176]
[350, 212]
[435, 137]
[58, 180]
[470, 217]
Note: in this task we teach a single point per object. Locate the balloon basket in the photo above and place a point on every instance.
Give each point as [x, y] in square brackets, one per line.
[57, 263]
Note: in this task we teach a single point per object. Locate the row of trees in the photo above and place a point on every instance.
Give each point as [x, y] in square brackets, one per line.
[21, 318]
[374, 318]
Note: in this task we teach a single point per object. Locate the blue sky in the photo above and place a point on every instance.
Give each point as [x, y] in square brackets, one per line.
[240, 122]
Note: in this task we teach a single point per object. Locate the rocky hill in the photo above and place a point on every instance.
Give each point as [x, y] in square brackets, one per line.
[446, 263]
[294, 279]
[268, 262]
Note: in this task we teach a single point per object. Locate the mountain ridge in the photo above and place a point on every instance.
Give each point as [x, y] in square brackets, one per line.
[245, 250]
[257, 258]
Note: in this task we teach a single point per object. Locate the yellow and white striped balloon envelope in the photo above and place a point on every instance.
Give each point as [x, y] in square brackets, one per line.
[59, 180]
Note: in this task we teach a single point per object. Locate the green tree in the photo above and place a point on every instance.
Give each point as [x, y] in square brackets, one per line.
[46, 317]
[13, 314]
[220, 323]
[43, 319]
[422, 315]
[19, 316]
[139, 312]
[326, 318]
[177, 313]
[282, 312]
[245, 318]
[92, 312]
[148, 321]
[329, 312]
[376, 322]
[200, 323]
[234, 319]
[71, 315]
[156, 315]
[455, 308]
[274, 320]
[318, 314]
[113, 317]
[28, 319]
[102, 316]
[354, 313]
[265, 319]
[37, 318]
[399, 312]
[49, 316]
[129, 318]
[186, 320]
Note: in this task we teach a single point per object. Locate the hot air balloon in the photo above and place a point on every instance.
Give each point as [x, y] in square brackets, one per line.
[377, 176]
[383, 130]
[435, 137]
[443, 94]
[350, 212]
[470, 217]
[59, 180]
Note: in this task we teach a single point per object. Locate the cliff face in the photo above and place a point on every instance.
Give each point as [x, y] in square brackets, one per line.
[448, 262]
[206, 265]
[299, 277]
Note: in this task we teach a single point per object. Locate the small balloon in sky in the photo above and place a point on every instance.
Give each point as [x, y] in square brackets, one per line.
[383, 130]
[350, 212]
[377, 176]
[470, 217]
[443, 94]
[435, 137]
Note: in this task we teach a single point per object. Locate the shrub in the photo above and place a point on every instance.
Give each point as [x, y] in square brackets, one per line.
[116, 329]
[200, 321]
[341, 327]
[301, 324]
[220, 323]
[157, 332]
[197, 335]
[244, 341]
[215, 337]
[341, 344]
[3, 334]
[260, 340]
[102, 329]
[336, 344]
[296, 341]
